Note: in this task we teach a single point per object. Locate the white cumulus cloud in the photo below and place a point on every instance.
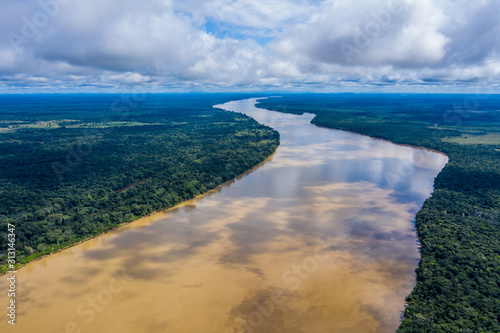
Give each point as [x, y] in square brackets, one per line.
[268, 43]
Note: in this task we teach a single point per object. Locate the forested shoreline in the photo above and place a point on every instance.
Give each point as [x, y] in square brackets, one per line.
[75, 166]
[458, 277]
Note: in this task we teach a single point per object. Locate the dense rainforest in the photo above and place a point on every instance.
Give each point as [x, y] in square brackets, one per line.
[458, 278]
[73, 166]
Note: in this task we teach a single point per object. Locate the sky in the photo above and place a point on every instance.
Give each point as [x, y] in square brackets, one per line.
[250, 45]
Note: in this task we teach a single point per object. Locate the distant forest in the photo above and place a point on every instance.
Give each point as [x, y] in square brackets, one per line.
[458, 278]
[73, 166]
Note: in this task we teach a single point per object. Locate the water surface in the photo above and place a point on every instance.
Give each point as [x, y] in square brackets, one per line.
[319, 238]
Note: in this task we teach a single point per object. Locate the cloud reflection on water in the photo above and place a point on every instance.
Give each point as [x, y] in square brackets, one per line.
[202, 267]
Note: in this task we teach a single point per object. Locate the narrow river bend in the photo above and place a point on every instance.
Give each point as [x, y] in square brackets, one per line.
[319, 238]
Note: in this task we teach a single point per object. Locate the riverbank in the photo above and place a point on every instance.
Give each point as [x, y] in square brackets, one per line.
[266, 237]
[4, 269]
[458, 227]
[71, 188]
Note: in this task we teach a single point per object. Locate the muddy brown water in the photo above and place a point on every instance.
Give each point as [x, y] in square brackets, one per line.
[319, 238]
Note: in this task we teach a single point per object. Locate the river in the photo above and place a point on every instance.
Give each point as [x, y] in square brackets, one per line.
[318, 238]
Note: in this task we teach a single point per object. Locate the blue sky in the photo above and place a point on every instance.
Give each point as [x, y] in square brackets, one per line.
[228, 45]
